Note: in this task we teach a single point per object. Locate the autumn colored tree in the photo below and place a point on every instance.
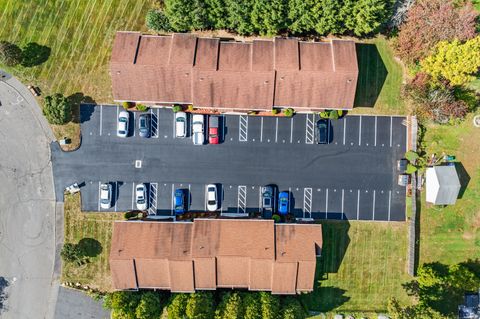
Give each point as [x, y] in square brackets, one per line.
[431, 21]
[454, 61]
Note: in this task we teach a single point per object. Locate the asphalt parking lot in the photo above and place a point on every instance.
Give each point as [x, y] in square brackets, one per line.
[354, 177]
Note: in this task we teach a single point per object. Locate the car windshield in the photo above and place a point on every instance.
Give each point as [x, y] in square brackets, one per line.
[122, 132]
[178, 206]
[283, 200]
[211, 189]
[143, 122]
[105, 201]
[211, 202]
[267, 193]
[180, 119]
[123, 119]
[141, 200]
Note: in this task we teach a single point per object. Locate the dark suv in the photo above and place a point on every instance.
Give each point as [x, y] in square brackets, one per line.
[268, 201]
[144, 124]
[322, 131]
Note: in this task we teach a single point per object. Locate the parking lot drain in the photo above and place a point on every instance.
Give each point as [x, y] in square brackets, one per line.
[138, 164]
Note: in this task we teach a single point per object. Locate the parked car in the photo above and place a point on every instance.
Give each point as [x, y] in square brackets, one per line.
[268, 201]
[198, 129]
[180, 202]
[144, 125]
[402, 165]
[213, 130]
[181, 124]
[141, 196]
[322, 134]
[122, 124]
[105, 196]
[403, 179]
[212, 198]
[283, 203]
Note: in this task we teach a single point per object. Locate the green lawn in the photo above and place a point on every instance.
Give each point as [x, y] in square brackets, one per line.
[362, 265]
[97, 226]
[452, 234]
[380, 79]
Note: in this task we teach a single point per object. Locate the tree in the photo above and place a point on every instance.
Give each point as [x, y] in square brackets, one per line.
[156, 20]
[149, 306]
[122, 303]
[200, 306]
[396, 311]
[252, 306]
[300, 15]
[57, 109]
[327, 17]
[431, 21]
[239, 16]
[230, 307]
[292, 309]
[454, 61]
[10, 54]
[177, 306]
[268, 16]
[368, 16]
[270, 305]
[70, 253]
[216, 13]
[186, 15]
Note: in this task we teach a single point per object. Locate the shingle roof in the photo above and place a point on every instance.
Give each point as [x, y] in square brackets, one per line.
[209, 253]
[258, 75]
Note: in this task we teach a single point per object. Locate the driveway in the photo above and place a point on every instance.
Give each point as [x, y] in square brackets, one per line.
[354, 177]
[27, 201]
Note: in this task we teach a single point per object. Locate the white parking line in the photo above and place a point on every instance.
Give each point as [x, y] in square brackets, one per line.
[291, 130]
[391, 124]
[101, 119]
[289, 199]
[276, 130]
[343, 198]
[375, 141]
[173, 203]
[373, 209]
[358, 205]
[205, 197]
[173, 126]
[133, 193]
[360, 132]
[261, 129]
[326, 204]
[223, 128]
[389, 203]
[259, 197]
[134, 121]
[116, 195]
[98, 196]
[344, 129]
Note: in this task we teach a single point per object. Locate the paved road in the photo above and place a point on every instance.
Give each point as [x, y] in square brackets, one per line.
[74, 304]
[354, 177]
[27, 201]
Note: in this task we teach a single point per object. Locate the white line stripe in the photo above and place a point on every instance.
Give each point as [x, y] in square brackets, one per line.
[259, 197]
[289, 199]
[373, 209]
[223, 128]
[116, 120]
[291, 130]
[173, 126]
[375, 141]
[116, 195]
[205, 197]
[98, 196]
[344, 129]
[343, 198]
[101, 119]
[391, 124]
[134, 121]
[261, 129]
[358, 204]
[133, 193]
[389, 203]
[276, 129]
[326, 204]
[173, 186]
[360, 132]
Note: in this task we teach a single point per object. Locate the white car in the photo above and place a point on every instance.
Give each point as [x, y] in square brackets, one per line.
[105, 196]
[122, 124]
[180, 124]
[198, 129]
[141, 196]
[212, 199]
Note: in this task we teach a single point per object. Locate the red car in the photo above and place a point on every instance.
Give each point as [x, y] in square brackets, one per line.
[213, 130]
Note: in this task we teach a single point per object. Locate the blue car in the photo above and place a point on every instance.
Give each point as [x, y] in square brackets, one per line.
[283, 203]
[180, 203]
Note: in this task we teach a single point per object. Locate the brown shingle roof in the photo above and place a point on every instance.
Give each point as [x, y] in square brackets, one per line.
[258, 75]
[208, 253]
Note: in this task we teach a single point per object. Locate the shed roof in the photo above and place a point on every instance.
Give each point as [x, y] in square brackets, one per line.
[442, 185]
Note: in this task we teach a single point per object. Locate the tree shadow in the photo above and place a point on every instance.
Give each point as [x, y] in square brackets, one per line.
[372, 74]
[75, 100]
[34, 54]
[3, 294]
[90, 247]
[335, 243]
[463, 177]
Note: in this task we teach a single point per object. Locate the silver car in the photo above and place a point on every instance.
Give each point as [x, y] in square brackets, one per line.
[122, 124]
[198, 129]
[105, 196]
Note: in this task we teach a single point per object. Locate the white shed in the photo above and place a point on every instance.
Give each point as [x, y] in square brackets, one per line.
[442, 185]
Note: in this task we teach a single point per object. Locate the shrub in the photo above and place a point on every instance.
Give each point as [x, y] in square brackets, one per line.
[323, 115]
[131, 215]
[57, 109]
[275, 111]
[10, 54]
[176, 108]
[276, 218]
[156, 20]
[127, 105]
[190, 108]
[288, 112]
[70, 252]
[411, 156]
[141, 107]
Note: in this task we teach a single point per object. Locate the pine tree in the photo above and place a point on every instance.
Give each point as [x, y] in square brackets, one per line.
[239, 18]
[300, 16]
[327, 14]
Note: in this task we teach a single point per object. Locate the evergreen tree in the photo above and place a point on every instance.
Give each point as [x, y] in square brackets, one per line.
[186, 15]
[252, 306]
[200, 306]
[239, 18]
[369, 15]
[10, 54]
[149, 306]
[270, 305]
[230, 307]
[300, 16]
[269, 16]
[156, 20]
[216, 14]
[292, 309]
[57, 109]
[327, 14]
[177, 306]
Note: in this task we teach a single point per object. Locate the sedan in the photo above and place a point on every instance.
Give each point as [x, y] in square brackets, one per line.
[180, 124]
[213, 130]
[105, 196]
[180, 202]
[198, 129]
[283, 203]
[322, 131]
[122, 124]
[141, 196]
[212, 200]
[144, 125]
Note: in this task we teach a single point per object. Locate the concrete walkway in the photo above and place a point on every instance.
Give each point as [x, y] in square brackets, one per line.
[28, 210]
